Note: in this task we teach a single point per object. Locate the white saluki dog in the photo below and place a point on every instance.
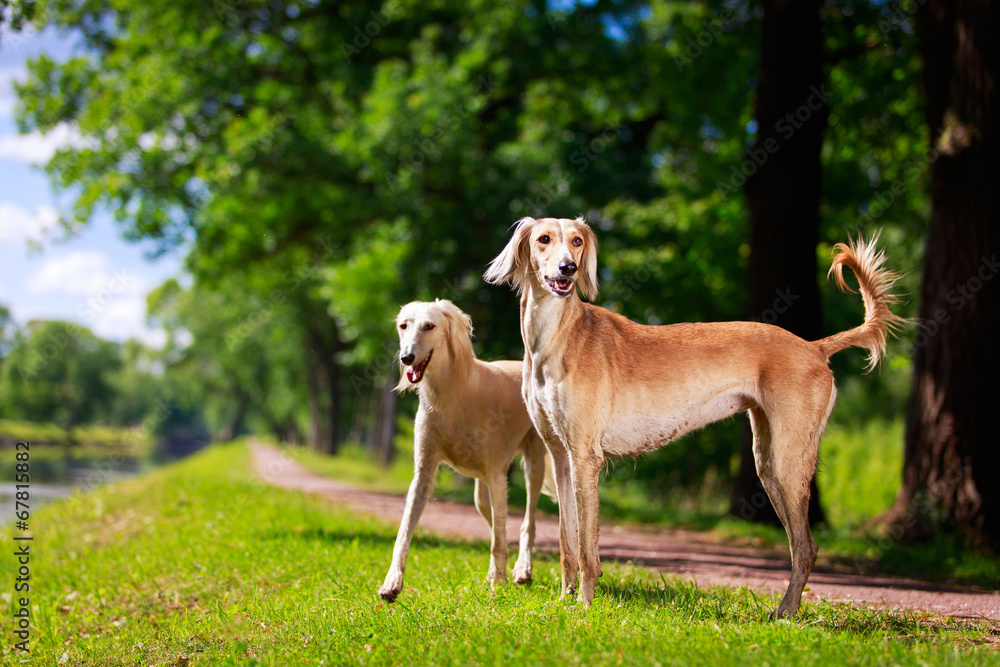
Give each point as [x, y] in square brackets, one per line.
[598, 384]
[472, 417]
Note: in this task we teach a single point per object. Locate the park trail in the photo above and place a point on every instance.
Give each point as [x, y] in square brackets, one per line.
[676, 553]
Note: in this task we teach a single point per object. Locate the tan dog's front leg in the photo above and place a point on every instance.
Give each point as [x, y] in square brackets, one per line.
[416, 500]
[497, 575]
[586, 470]
[569, 540]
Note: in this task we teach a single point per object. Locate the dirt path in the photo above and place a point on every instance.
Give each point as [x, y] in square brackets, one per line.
[681, 553]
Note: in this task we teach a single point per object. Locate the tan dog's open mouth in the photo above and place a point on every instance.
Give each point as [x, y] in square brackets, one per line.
[560, 286]
[415, 373]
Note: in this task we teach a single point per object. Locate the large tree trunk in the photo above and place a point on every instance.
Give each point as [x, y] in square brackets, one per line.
[951, 441]
[783, 190]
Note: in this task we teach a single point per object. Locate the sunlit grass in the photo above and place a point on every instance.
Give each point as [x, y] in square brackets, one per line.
[199, 563]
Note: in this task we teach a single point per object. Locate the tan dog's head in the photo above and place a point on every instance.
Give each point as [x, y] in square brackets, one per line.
[554, 252]
[425, 327]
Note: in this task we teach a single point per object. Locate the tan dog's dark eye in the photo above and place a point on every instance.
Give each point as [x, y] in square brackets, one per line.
[428, 326]
[543, 239]
[403, 325]
[578, 242]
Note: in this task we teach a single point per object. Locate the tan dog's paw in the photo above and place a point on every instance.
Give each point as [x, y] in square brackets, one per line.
[496, 578]
[522, 575]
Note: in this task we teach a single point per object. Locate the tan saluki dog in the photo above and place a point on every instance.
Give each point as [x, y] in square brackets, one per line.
[472, 417]
[597, 384]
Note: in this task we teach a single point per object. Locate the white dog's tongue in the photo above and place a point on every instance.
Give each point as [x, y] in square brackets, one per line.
[413, 374]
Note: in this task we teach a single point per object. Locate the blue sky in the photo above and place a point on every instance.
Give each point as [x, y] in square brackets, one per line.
[93, 278]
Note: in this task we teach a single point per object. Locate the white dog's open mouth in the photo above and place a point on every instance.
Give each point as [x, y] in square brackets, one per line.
[415, 373]
[560, 286]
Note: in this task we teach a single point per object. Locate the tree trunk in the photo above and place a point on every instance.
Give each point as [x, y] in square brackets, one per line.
[332, 369]
[384, 428]
[314, 385]
[783, 189]
[951, 442]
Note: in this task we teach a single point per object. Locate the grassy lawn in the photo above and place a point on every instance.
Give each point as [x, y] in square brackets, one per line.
[858, 476]
[199, 563]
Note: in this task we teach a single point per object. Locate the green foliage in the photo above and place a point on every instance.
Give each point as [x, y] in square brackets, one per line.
[293, 581]
[60, 373]
[352, 157]
[859, 471]
[363, 289]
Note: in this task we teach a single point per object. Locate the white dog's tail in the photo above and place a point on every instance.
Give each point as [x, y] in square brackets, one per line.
[876, 282]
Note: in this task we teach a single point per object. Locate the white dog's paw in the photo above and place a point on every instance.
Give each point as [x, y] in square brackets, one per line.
[522, 573]
[391, 589]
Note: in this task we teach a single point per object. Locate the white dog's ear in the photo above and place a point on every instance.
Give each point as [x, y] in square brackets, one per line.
[459, 337]
[588, 262]
[459, 323]
[511, 265]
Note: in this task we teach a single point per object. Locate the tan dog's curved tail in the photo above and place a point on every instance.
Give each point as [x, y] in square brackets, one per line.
[876, 282]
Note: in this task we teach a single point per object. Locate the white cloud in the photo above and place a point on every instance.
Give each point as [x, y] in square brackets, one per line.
[18, 225]
[37, 149]
[82, 272]
[122, 318]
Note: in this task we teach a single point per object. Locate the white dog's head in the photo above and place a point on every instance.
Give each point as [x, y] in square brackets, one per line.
[427, 328]
[556, 253]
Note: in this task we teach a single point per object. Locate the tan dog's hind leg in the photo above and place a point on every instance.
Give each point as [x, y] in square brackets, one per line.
[534, 478]
[497, 575]
[785, 448]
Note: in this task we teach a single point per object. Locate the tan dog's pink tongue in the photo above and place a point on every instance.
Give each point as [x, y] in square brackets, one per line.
[412, 374]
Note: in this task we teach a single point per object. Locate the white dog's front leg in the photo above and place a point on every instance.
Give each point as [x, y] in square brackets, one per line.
[534, 478]
[416, 500]
[497, 575]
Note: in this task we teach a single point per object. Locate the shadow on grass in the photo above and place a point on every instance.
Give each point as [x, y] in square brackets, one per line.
[362, 536]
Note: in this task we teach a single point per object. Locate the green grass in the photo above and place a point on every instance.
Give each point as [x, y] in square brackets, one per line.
[858, 475]
[199, 563]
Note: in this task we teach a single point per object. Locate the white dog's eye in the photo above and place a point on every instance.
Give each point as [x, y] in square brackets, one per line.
[403, 325]
[428, 326]
[578, 242]
[543, 239]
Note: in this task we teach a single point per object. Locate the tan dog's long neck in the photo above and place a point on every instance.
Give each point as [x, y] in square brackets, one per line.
[441, 379]
[543, 315]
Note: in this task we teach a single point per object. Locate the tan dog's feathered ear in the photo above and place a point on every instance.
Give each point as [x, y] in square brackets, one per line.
[511, 265]
[588, 262]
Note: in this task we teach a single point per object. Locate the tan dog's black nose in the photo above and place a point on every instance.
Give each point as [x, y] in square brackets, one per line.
[567, 267]
[408, 358]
